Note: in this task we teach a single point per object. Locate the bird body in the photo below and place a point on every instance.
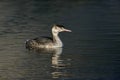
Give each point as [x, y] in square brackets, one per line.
[48, 42]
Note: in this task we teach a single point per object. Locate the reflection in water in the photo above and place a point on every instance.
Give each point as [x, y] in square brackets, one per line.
[56, 62]
[59, 66]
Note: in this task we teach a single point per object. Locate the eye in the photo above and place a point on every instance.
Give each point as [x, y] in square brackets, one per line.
[55, 27]
[62, 28]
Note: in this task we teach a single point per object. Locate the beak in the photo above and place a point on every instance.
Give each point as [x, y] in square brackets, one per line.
[67, 30]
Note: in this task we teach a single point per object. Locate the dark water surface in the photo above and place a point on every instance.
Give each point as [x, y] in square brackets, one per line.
[91, 51]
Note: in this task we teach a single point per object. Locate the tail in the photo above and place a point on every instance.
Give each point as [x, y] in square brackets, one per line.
[27, 43]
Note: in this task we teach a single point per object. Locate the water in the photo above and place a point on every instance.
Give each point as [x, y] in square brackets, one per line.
[90, 52]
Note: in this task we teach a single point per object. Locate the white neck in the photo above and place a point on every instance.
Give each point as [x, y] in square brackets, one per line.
[56, 40]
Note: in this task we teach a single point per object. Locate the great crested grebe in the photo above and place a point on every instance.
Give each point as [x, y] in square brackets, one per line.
[48, 42]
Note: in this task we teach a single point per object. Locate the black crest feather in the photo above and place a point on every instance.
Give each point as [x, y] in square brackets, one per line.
[60, 25]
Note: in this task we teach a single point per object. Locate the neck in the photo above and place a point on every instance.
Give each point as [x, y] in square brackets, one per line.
[57, 40]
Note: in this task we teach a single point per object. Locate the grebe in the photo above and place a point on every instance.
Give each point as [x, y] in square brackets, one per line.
[48, 42]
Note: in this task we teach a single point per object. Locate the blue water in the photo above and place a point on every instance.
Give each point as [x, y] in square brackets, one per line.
[90, 52]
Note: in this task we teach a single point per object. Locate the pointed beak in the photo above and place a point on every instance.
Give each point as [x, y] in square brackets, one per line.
[67, 30]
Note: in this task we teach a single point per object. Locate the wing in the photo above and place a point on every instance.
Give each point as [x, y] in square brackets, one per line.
[38, 41]
[43, 40]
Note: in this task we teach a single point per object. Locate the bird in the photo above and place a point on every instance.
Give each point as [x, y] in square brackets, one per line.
[44, 42]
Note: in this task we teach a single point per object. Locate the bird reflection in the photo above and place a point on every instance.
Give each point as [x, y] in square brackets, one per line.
[59, 66]
[57, 62]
